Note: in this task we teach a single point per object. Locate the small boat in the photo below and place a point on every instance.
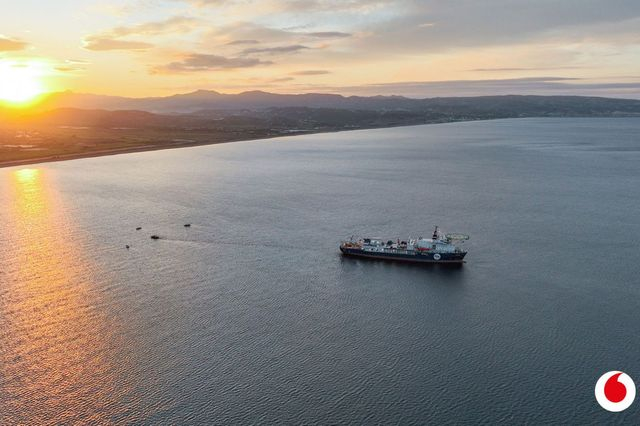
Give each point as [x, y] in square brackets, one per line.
[155, 237]
[440, 248]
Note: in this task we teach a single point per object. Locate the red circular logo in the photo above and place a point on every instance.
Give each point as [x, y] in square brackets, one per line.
[615, 391]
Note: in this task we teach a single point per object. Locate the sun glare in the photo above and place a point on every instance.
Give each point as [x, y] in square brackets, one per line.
[27, 175]
[20, 83]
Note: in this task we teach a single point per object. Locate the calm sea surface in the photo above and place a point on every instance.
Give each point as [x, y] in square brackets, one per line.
[251, 315]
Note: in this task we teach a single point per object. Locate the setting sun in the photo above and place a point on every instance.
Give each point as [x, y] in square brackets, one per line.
[20, 83]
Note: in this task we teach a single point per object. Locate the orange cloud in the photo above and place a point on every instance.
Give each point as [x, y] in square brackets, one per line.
[202, 62]
[104, 43]
[112, 39]
[9, 44]
[174, 24]
[310, 72]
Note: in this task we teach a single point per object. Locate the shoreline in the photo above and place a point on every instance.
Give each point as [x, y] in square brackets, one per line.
[156, 147]
[145, 148]
[118, 151]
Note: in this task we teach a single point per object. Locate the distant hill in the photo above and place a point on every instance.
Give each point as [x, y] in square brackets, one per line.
[104, 118]
[308, 112]
[489, 106]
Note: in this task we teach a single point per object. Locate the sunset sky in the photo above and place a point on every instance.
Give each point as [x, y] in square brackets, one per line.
[412, 48]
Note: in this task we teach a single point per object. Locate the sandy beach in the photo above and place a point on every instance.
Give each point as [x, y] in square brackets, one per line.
[59, 148]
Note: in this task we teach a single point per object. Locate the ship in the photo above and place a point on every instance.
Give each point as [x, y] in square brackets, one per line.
[440, 248]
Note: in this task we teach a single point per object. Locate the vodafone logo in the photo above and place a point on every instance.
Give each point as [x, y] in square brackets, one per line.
[615, 391]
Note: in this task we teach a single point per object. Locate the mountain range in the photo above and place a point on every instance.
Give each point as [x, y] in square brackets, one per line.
[205, 100]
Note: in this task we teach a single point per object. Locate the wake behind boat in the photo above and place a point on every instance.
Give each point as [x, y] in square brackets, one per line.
[440, 248]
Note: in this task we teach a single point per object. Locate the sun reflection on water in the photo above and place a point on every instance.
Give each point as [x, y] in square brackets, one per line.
[54, 362]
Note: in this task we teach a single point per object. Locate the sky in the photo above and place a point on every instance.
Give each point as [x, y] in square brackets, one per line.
[426, 48]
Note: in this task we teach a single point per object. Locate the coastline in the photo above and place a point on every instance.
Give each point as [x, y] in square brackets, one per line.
[158, 147]
[163, 146]
[118, 151]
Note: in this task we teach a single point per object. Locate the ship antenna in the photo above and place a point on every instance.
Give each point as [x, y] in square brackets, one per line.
[435, 233]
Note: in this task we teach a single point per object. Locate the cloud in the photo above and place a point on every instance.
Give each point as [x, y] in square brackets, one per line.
[328, 34]
[203, 62]
[458, 24]
[310, 72]
[522, 86]
[237, 42]
[72, 65]
[380, 28]
[506, 69]
[112, 39]
[77, 61]
[68, 69]
[282, 79]
[203, 3]
[330, 6]
[247, 31]
[10, 44]
[292, 48]
[297, 6]
[250, 32]
[174, 24]
[101, 44]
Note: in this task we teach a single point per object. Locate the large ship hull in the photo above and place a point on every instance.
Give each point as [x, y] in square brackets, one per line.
[413, 257]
